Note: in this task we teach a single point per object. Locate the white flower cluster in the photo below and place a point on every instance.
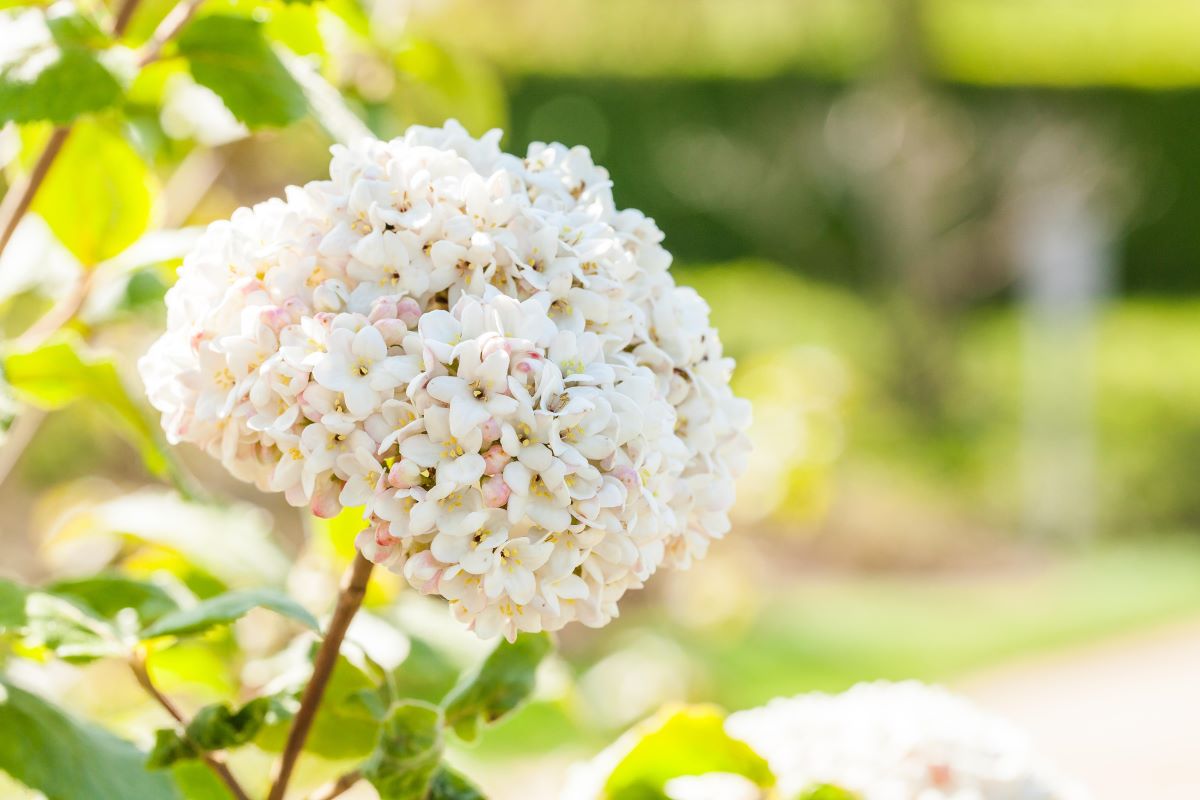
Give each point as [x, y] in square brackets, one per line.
[482, 351]
[897, 741]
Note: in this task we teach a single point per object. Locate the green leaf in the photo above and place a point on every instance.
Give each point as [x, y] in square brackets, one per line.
[12, 605]
[230, 55]
[224, 609]
[504, 680]
[96, 197]
[685, 741]
[63, 370]
[451, 785]
[59, 80]
[169, 748]
[827, 791]
[408, 753]
[108, 595]
[217, 727]
[70, 631]
[347, 725]
[67, 758]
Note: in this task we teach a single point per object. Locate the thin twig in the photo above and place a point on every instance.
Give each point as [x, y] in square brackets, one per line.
[354, 588]
[338, 787]
[20, 195]
[124, 15]
[167, 30]
[138, 664]
[59, 314]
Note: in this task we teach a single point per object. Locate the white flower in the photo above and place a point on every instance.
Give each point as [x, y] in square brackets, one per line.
[482, 351]
[885, 740]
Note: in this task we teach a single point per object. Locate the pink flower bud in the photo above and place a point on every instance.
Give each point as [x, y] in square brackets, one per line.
[325, 500]
[490, 430]
[495, 492]
[494, 460]
[393, 331]
[408, 311]
[382, 308]
[424, 572]
[275, 317]
[404, 474]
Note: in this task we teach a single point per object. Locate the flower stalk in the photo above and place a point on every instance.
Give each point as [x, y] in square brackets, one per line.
[350, 598]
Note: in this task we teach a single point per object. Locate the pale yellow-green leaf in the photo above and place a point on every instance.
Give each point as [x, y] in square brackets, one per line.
[97, 196]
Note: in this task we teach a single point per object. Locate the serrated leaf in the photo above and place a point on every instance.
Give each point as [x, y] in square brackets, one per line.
[408, 752]
[231, 55]
[502, 682]
[678, 742]
[108, 595]
[67, 758]
[63, 370]
[451, 785]
[224, 609]
[96, 197]
[12, 605]
[52, 74]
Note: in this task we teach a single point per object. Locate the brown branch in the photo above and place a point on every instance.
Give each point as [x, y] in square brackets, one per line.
[338, 787]
[167, 30]
[138, 664]
[20, 195]
[124, 16]
[354, 588]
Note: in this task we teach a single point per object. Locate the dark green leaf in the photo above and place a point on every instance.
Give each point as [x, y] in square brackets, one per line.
[60, 85]
[219, 727]
[504, 680]
[12, 605]
[108, 595]
[451, 785]
[169, 748]
[69, 630]
[62, 371]
[224, 609]
[67, 758]
[231, 56]
[685, 741]
[407, 754]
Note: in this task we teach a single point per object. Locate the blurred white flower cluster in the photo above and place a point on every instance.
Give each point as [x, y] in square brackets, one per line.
[876, 741]
[897, 741]
[479, 349]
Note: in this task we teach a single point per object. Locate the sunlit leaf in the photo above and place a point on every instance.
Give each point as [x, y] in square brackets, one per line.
[408, 753]
[231, 55]
[67, 758]
[108, 595]
[56, 79]
[451, 785]
[96, 197]
[62, 371]
[347, 723]
[684, 741]
[504, 681]
[827, 791]
[68, 630]
[12, 605]
[224, 609]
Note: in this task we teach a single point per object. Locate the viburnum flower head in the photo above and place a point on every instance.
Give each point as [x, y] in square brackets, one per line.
[888, 741]
[482, 352]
